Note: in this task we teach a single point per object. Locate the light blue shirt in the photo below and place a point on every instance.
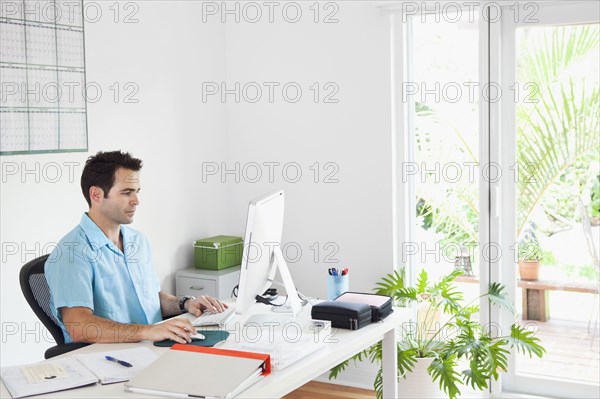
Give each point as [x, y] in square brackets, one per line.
[87, 269]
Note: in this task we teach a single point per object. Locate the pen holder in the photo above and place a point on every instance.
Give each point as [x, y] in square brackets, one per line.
[337, 285]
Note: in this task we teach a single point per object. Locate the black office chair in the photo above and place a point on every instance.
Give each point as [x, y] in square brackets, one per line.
[36, 292]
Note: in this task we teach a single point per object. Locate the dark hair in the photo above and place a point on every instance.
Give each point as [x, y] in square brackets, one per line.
[100, 170]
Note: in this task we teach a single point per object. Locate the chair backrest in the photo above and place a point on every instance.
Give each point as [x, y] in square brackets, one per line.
[37, 293]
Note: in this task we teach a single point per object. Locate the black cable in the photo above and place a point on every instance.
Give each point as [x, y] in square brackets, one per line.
[267, 301]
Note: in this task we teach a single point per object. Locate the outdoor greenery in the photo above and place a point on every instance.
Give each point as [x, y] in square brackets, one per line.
[529, 250]
[460, 338]
[558, 142]
[557, 132]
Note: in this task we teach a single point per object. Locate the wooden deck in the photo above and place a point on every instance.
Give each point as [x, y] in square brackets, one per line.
[570, 353]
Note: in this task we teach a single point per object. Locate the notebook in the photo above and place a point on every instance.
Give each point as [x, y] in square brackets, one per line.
[198, 371]
[50, 376]
[75, 371]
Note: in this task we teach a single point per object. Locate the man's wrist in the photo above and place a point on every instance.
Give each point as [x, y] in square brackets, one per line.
[142, 332]
[183, 301]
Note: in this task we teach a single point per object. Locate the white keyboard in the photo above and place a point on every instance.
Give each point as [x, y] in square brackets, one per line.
[214, 319]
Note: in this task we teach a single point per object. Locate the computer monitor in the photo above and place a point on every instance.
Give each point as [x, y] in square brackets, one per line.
[262, 255]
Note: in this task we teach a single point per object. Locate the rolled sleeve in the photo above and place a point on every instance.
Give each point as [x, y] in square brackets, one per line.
[87, 270]
[70, 279]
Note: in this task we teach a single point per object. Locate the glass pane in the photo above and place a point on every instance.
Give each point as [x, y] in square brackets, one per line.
[446, 142]
[445, 90]
[558, 200]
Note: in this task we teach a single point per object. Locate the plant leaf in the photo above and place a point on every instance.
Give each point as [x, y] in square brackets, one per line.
[444, 371]
[393, 285]
[496, 358]
[359, 357]
[421, 282]
[406, 360]
[475, 376]
[336, 370]
[525, 341]
[447, 294]
[497, 296]
[378, 383]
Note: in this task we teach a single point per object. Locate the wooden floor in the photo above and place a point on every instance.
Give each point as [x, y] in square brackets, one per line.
[572, 352]
[330, 391]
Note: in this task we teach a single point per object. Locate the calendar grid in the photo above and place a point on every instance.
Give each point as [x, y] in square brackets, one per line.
[37, 61]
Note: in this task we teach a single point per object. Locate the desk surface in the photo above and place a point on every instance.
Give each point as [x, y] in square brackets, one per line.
[344, 343]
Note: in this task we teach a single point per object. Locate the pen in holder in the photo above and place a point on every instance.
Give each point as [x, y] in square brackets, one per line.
[337, 285]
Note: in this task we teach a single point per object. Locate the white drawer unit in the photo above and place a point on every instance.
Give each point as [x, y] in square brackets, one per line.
[216, 283]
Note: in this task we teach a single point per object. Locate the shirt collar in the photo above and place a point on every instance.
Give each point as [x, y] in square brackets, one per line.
[95, 236]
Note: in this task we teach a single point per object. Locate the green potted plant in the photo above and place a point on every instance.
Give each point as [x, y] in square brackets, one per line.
[431, 351]
[530, 254]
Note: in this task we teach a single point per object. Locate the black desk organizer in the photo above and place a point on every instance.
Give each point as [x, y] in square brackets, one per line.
[351, 316]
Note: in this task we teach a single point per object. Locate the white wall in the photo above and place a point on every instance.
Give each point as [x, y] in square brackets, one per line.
[166, 54]
[169, 53]
[354, 214]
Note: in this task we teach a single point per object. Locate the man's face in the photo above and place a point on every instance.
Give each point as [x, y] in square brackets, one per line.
[122, 199]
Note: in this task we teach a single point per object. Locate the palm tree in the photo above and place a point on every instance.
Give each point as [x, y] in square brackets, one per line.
[557, 129]
[561, 126]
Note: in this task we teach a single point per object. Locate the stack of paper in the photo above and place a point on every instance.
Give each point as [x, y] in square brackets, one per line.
[285, 339]
[109, 372]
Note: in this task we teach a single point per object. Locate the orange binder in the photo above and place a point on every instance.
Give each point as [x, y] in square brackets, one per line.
[195, 371]
[266, 366]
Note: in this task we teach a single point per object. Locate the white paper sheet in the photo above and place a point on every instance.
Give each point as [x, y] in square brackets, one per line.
[109, 372]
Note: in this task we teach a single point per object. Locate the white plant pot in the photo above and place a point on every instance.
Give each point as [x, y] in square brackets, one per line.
[418, 383]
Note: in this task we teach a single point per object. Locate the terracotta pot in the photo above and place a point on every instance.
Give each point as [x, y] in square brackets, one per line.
[529, 269]
[418, 383]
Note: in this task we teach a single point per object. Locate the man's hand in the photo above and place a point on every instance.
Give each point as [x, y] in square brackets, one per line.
[177, 329]
[204, 303]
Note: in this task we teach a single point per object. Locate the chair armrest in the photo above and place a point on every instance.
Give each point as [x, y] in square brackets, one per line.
[63, 348]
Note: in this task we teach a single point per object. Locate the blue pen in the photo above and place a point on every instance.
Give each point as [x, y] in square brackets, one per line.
[121, 362]
[335, 273]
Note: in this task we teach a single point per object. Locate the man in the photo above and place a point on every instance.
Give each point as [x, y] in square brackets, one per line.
[102, 284]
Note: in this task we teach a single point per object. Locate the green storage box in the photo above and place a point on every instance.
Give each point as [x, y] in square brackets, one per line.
[220, 252]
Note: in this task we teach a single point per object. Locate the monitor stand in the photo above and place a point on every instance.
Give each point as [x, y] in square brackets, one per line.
[278, 262]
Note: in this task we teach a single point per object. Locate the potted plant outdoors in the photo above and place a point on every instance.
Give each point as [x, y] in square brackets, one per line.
[530, 254]
[432, 353]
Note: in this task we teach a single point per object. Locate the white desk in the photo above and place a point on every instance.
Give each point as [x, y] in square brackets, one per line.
[282, 382]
